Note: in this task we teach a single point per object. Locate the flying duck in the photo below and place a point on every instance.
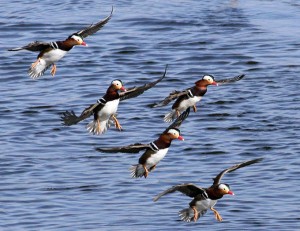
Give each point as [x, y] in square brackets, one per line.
[189, 97]
[205, 198]
[154, 151]
[104, 110]
[51, 52]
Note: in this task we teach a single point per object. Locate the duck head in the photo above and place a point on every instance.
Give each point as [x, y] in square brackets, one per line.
[76, 40]
[118, 85]
[206, 80]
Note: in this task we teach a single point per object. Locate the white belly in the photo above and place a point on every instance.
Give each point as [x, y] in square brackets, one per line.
[54, 55]
[189, 102]
[155, 158]
[109, 108]
[205, 204]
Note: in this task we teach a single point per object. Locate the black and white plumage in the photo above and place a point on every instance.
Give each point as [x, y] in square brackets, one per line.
[154, 151]
[204, 198]
[104, 110]
[51, 52]
[189, 97]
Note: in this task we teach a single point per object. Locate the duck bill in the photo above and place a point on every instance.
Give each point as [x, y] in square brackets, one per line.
[231, 193]
[214, 83]
[84, 44]
[123, 89]
[180, 138]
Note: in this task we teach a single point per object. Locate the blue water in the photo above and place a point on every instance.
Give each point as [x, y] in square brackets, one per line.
[52, 178]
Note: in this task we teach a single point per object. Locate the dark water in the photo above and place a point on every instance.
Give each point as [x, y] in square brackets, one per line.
[53, 179]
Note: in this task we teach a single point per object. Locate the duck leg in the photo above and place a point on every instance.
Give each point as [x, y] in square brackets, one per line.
[153, 167]
[98, 128]
[53, 69]
[195, 213]
[117, 124]
[146, 171]
[194, 108]
[217, 214]
[35, 63]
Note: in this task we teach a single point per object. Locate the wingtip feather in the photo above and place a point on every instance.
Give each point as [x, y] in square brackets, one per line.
[15, 49]
[156, 198]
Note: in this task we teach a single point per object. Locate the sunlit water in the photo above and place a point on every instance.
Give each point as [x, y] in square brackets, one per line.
[52, 178]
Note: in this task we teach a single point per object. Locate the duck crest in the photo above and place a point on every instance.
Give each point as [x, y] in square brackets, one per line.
[202, 83]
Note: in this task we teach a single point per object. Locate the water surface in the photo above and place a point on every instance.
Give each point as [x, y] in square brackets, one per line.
[52, 178]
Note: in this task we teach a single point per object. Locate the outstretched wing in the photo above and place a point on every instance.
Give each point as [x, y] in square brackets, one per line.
[218, 178]
[133, 148]
[136, 91]
[69, 118]
[172, 96]
[230, 80]
[94, 27]
[34, 46]
[179, 120]
[189, 189]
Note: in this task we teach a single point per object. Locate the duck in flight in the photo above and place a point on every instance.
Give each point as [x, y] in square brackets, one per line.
[189, 97]
[154, 151]
[205, 198]
[104, 110]
[52, 52]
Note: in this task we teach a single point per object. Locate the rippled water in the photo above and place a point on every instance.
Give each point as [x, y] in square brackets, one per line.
[52, 178]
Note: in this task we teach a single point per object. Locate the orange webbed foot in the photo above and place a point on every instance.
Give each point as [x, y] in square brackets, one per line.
[53, 70]
[217, 215]
[35, 63]
[117, 124]
[195, 213]
[194, 108]
[146, 171]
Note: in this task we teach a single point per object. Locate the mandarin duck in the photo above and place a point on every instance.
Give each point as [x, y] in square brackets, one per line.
[205, 198]
[51, 52]
[104, 110]
[189, 97]
[154, 151]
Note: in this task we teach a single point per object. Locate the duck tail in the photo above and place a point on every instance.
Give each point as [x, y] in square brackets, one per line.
[169, 117]
[137, 171]
[98, 127]
[186, 214]
[38, 68]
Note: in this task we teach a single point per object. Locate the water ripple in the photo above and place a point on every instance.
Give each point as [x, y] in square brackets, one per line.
[52, 176]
